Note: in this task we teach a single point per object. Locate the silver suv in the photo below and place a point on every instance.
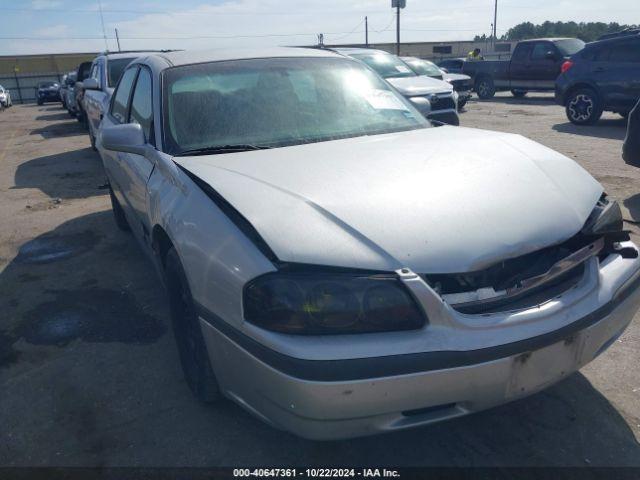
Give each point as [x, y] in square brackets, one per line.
[435, 99]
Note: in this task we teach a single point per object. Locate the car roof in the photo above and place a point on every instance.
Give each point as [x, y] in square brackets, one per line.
[549, 39]
[606, 41]
[360, 51]
[205, 56]
[132, 54]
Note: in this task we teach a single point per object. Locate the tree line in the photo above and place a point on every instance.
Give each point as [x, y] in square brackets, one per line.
[587, 31]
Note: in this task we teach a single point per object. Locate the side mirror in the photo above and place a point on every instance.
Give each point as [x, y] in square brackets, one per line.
[127, 137]
[90, 84]
[551, 55]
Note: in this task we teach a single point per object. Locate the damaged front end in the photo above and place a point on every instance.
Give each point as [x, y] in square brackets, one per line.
[535, 278]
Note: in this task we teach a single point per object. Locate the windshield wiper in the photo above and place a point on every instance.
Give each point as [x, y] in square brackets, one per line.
[221, 149]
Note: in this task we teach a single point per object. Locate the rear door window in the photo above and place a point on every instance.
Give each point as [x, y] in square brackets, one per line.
[626, 52]
[522, 52]
[540, 50]
[121, 97]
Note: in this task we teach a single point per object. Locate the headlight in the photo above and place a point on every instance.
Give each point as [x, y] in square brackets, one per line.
[330, 304]
[422, 103]
[605, 218]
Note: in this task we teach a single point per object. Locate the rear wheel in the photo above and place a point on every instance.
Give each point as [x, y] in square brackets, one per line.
[186, 327]
[584, 107]
[485, 88]
[519, 93]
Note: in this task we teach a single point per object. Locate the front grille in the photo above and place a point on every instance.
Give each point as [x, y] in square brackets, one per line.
[442, 103]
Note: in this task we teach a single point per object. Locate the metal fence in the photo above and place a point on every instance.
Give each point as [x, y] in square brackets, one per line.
[23, 88]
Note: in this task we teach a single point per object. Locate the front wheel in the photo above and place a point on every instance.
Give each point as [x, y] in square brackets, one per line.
[584, 107]
[519, 93]
[485, 88]
[188, 333]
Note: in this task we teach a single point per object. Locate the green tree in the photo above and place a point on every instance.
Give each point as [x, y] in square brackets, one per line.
[587, 31]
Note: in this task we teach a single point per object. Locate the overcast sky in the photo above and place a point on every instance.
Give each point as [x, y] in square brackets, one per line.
[46, 26]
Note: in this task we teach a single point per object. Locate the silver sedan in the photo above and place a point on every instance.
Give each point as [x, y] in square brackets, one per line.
[333, 267]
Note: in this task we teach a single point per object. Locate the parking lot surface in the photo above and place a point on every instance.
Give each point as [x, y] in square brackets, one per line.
[89, 374]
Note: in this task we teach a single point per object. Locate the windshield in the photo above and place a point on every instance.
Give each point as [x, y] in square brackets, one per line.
[570, 46]
[116, 67]
[387, 66]
[278, 102]
[424, 67]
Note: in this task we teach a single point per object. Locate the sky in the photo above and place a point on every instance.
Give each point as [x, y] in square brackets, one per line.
[53, 26]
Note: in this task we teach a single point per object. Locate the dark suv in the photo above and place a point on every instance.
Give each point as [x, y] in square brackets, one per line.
[604, 76]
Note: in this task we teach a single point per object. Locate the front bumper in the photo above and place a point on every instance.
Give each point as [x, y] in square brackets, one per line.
[329, 399]
[450, 117]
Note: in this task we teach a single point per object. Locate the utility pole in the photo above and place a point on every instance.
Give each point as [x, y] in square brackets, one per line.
[495, 23]
[366, 31]
[104, 32]
[398, 4]
[398, 29]
[118, 40]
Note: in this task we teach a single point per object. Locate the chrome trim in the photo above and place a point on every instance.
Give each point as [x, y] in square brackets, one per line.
[557, 269]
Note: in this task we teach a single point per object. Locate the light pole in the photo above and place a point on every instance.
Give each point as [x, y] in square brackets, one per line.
[495, 24]
[398, 4]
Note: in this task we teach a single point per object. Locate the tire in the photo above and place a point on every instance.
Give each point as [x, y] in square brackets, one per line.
[584, 107]
[485, 88]
[40, 102]
[461, 104]
[118, 213]
[186, 328]
[519, 93]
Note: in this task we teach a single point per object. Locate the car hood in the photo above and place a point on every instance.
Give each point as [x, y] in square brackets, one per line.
[422, 85]
[455, 77]
[436, 200]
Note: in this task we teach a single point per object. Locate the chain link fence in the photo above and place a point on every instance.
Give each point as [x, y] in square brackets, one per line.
[23, 88]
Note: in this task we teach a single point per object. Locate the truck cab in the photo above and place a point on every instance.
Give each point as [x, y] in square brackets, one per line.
[534, 66]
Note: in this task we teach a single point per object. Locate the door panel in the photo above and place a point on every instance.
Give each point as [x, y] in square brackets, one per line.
[137, 168]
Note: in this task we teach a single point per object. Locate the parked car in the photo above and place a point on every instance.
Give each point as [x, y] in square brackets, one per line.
[461, 83]
[66, 85]
[76, 94]
[437, 100]
[631, 146]
[47, 92]
[605, 76]
[98, 86]
[5, 97]
[452, 65]
[332, 268]
[534, 66]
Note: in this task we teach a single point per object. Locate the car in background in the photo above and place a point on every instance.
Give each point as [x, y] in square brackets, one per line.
[604, 76]
[66, 84]
[631, 146]
[5, 97]
[105, 72]
[74, 98]
[437, 100]
[534, 66]
[452, 65]
[47, 92]
[400, 287]
[461, 83]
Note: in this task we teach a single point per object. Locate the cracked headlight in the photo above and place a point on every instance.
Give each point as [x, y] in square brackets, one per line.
[330, 304]
[606, 217]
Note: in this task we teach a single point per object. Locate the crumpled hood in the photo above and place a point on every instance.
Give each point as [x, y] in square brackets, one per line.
[422, 85]
[436, 200]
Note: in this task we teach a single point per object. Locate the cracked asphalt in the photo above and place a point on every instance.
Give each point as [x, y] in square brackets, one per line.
[89, 375]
